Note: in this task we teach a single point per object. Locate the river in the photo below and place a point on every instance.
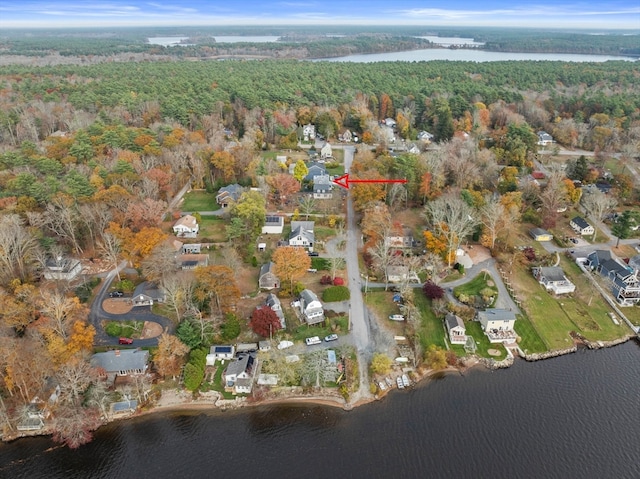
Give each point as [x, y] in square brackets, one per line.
[576, 416]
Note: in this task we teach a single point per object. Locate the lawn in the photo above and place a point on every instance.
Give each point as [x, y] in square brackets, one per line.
[530, 340]
[213, 228]
[124, 329]
[430, 329]
[217, 384]
[337, 325]
[474, 287]
[337, 171]
[199, 200]
[474, 328]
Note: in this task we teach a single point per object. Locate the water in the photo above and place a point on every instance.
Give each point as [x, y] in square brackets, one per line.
[448, 41]
[471, 55]
[166, 41]
[576, 416]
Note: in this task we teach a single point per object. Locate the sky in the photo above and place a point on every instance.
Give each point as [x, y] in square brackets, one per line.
[596, 15]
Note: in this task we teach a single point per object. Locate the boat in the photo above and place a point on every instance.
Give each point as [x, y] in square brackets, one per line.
[405, 381]
[389, 381]
[400, 382]
[382, 386]
[402, 359]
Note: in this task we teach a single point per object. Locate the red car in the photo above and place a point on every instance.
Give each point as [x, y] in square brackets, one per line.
[125, 341]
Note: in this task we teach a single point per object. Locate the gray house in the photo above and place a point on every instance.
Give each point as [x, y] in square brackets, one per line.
[315, 169]
[302, 234]
[125, 362]
[274, 303]
[229, 194]
[311, 307]
[62, 268]
[267, 278]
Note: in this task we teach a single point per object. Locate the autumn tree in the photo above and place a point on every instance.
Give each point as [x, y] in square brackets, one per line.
[597, 204]
[492, 216]
[145, 213]
[283, 186]
[432, 290]
[264, 321]
[169, 357]
[300, 170]
[380, 363]
[217, 283]
[380, 253]
[364, 194]
[291, 263]
[251, 209]
[18, 249]
[110, 249]
[376, 222]
[553, 198]
[453, 219]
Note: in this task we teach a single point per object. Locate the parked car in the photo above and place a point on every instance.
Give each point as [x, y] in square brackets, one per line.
[331, 337]
[396, 317]
[313, 253]
[313, 340]
[125, 341]
[116, 294]
[285, 344]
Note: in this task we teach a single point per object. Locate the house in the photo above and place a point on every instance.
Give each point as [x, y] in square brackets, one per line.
[313, 170]
[539, 234]
[309, 132]
[267, 278]
[192, 261]
[544, 138]
[146, 294]
[264, 345]
[227, 195]
[325, 152]
[498, 325]
[186, 227]
[274, 303]
[455, 327]
[311, 307]
[62, 268]
[192, 248]
[425, 136]
[401, 274]
[390, 122]
[302, 234]
[623, 279]
[400, 238]
[553, 279]
[346, 136]
[125, 362]
[239, 373]
[581, 226]
[322, 186]
[273, 225]
[220, 353]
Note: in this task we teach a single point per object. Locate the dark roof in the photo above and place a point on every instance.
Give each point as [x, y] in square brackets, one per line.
[538, 232]
[124, 406]
[496, 315]
[274, 219]
[599, 256]
[452, 321]
[223, 349]
[580, 222]
[552, 273]
[267, 268]
[240, 365]
[121, 360]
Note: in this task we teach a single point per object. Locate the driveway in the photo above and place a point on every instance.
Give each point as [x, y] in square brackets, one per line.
[140, 313]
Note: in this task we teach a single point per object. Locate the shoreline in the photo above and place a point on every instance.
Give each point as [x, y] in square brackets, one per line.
[186, 403]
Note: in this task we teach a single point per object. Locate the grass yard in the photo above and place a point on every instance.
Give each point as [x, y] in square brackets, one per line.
[337, 171]
[430, 328]
[213, 228]
[337, 325]
[323, 233]
[530, 340]
[199, 200]
[475, 329]
[124, 329]
[478, 284]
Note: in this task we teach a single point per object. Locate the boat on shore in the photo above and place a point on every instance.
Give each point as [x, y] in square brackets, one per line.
[400, 382]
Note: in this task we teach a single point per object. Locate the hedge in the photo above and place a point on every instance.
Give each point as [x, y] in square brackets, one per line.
[335, 293]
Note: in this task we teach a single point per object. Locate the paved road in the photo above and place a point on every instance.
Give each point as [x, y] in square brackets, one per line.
[141, 313]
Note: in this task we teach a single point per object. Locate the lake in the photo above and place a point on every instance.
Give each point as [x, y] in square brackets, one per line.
[471, 55]
[576, 416]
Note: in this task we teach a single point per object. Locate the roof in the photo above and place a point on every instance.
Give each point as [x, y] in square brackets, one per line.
[274, 220]
[64, 265]
[543, 135]
[552, 273]
[124, 406]
[453, 321]
[121, 360]
[187, 221]
[600, 256]
[240, 365]
[267, 268]
[307, 296]
[538, 232]
[233, 191]
[302, 231]
[580, 222]
[272, 300]
[222, 349]
[496, 315]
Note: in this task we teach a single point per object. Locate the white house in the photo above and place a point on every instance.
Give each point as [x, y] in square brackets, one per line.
[326, 153]
[276, 306]
[581, 226]
[220, 353]
[554, 279]
[311, 307]
[498, 325]
[186, 227]
[544, 138]
[456, 329]
[302, 234]
[322, 186]
[273, 225]
[62, 268]
[309, 132]
[146, 294]
[239, 374]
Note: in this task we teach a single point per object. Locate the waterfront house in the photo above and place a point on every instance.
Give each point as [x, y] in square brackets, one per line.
[456, 329]
[623, 279]
[539, 234]
[553, 279]
[267, 278]
[498, 325]
[62, 268]
[311, 307]
[581, 226]
[302, 234]
[238, 376]
[186, 227]
[125, 362]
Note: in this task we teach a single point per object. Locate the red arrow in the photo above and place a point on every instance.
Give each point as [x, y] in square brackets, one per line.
[344, 181]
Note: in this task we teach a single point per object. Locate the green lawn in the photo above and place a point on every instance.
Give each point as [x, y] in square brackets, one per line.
[123, 329]
[337, 325]
[337, 171]
[530, 340]
[199, 201]
[474, 328]
[431, 330]
[476, 285]
[213, 228]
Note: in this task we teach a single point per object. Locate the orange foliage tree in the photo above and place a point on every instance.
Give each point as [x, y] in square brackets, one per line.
[291, 263]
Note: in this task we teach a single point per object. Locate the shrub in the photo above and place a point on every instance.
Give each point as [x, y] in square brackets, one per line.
[125, 285]
[326, 279]
[432, 290]
[113, 329]
[335, 293]
[380, 364]
[320, 263]
[84, 291]
[529, 253]
[338, 282]
[230, 329]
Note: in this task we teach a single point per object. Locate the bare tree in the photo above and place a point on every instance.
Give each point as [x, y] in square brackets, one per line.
[110, 248]
[397, 195]
[335, 264]
[597, 204]
[492, 215]
[179, 291]
[307, 205]
[61, 310]
[553, 198]
[74, 378]
[382, 259]
[453, 219]
[18, 248]
[161, 263]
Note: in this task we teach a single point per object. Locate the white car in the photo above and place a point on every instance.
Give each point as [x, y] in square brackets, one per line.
[285, 344]
[313, 340]
[331, 337]
[396, 317]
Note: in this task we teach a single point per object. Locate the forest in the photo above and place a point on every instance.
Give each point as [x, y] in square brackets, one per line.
[91, 156]
[310, 42]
